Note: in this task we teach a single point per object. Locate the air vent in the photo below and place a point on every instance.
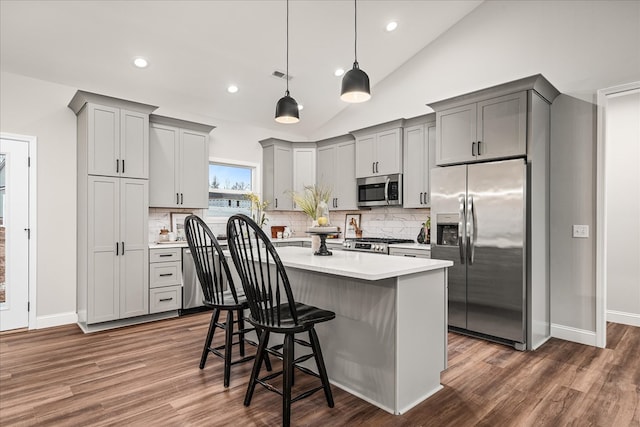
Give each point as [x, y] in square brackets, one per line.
[280, 75]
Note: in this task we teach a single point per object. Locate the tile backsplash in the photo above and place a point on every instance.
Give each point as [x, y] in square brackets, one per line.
[379, 222]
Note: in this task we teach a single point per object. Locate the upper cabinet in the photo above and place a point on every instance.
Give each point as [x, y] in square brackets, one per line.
[304, 167]
[337, 171]
[379, 149]
[179, 163]
[115, 135]
[488, 124]
[277, 174]
[419, 157]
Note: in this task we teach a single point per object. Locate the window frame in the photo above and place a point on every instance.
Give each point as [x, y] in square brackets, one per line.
[255, 182]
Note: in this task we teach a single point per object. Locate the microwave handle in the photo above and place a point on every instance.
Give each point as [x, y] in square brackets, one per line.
[386, 190]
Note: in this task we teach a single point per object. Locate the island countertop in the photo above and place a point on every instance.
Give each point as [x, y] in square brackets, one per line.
[358, 265]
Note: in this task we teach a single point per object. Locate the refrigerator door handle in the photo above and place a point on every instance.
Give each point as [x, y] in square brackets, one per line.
[472, 231]
[461, 228]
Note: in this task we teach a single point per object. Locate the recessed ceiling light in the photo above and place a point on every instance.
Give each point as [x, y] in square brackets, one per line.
[140, 62]
[338, 72]
[392, 26]
[232, 89]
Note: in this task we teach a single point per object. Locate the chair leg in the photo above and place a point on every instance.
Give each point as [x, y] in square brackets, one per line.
[267, 361]
[287, 379]
[228, 346]
[255, 372]
[322, 370]
[241, 328]
[207, 342]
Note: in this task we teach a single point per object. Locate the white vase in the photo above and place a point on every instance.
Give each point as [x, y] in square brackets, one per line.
[315, 239]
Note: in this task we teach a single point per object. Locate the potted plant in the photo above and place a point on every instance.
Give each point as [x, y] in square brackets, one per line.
[257, 209]
[312, 200]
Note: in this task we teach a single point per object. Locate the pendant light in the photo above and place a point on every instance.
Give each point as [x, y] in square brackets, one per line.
[287, 108]
[355, 83]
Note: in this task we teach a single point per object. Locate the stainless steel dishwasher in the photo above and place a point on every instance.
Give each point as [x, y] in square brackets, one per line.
[192, 294]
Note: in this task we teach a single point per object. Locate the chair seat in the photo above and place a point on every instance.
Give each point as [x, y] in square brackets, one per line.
[229, 302]
[308, 316]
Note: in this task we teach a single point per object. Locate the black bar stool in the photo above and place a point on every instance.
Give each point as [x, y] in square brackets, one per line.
[219, 294]
[273, 309]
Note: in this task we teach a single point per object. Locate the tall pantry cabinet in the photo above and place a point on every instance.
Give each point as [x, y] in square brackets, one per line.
[113, 208]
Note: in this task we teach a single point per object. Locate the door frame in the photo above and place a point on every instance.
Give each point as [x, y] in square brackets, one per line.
[601, 210]
[32, 149]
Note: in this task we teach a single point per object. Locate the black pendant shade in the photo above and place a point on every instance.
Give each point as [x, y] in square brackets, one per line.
[287, 110]
[355, 85]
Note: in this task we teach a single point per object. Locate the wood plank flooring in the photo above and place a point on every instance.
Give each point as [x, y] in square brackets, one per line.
[148, 375]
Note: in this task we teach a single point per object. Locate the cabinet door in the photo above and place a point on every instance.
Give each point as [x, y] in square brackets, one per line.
[134, 248]
[103, 149]
[431, 156]
[389, 152]
[415, 164]
[304, 169]
[365, 156]
[103, 217]
[327, 167]
[194, 170]
[345, 182]
[134, 144]
[456, 132]
[164, 154]
[502, 127]
[282, 178]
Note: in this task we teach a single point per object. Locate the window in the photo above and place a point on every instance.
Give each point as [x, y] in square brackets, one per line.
[229, 182]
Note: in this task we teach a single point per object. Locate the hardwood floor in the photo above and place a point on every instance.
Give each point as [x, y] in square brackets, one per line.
[148, 375]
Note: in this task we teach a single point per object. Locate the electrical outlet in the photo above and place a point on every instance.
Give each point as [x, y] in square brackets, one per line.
[581, 231]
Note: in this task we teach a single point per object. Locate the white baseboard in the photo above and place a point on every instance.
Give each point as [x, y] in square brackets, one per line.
[631, 319]
[569, 333]
[55, 320]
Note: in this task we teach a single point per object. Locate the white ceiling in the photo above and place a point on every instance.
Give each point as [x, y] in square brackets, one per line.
[197, 48]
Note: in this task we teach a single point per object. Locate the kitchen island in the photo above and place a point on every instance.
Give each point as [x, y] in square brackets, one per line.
[388, 342]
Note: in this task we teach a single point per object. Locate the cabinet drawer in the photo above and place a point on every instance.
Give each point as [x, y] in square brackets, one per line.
[415, 253]
[165, 299]
[165, 254]
[165, 274]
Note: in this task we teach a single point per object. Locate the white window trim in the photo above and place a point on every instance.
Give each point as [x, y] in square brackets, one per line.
[256, 182]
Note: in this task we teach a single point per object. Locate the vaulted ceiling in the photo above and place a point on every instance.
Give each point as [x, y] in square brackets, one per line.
[196, 49]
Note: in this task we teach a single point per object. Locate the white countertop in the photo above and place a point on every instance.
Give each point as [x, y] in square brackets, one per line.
[359, 265]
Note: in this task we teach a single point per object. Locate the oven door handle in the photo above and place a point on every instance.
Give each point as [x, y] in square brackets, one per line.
[386, 190]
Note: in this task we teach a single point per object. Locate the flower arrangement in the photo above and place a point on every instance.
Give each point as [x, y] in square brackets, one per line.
[257, 209]
[310, 198]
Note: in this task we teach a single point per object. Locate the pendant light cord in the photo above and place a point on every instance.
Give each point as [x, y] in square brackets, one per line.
[355, 26]
[287, 76]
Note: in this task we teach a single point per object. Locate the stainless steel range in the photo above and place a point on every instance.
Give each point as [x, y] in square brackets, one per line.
[378, 245]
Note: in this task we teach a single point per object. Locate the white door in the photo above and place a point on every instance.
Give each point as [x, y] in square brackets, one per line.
[14, 242]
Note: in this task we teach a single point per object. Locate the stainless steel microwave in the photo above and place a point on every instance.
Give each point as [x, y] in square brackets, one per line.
[380, 190]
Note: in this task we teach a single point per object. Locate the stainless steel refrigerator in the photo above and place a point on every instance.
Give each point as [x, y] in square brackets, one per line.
[479, 216]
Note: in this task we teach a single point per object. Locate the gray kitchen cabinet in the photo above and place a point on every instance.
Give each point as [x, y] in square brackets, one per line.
[112, 208]
[116, 135]
[494, 128]
[379, 149]
[277, 174]
[178, 163]
[419, 157]
[116, 282]
[304, 167]
[165, 279]
[336, 170]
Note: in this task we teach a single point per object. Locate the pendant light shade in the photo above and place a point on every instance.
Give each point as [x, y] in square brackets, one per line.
[287, 110]
[355, 83]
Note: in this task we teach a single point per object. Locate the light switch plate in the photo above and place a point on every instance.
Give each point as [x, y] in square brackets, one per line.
[581, 231]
